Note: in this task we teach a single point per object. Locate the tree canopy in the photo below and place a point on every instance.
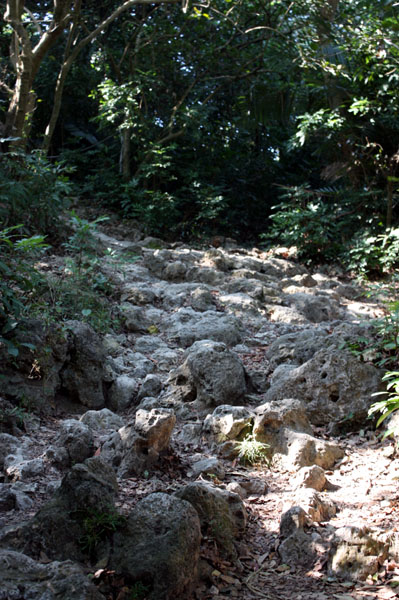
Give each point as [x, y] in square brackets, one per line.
[241, 117]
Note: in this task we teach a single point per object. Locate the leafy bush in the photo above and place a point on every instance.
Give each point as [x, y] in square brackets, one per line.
[18, 279]
[320, 223]
[32, 192]
[375, 254]
[390, 404]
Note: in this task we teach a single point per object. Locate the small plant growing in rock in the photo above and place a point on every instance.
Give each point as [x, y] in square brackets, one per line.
[138, 591]
[98, 525]
[251, 451]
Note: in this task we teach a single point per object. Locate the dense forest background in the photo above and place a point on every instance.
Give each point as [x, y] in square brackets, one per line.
[253, 119]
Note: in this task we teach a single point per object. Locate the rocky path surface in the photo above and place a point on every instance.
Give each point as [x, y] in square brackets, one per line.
[219, 345]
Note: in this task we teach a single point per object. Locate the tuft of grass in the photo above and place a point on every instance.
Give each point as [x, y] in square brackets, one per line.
[251, 451]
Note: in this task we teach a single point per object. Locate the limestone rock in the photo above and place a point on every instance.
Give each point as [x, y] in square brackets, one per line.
[311, 477]
[100, 420]
[213, 374]
[221, 512]
[160, 546]
[186, 326]
[23, 578]
[356, 553]
[58, 526]
[73, 444]
[332, 385]
[137, 446]
[82, 375]
[298, 547]
[227, 422]
[123, 392]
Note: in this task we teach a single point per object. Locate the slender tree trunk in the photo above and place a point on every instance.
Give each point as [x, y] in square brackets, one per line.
[125, 169]
[390, 183]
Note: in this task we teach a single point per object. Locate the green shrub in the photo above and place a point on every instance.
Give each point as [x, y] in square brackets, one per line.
[33, 192]
[375, 254]
[390, 404]
[320, 223]
[18, 279]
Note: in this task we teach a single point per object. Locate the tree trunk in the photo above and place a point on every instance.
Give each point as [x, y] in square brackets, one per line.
[124, 164]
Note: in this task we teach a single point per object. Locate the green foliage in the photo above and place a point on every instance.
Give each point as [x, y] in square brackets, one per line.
[390, 404]
[319, 223]
[138, 591]
[18, 279]
[375, 254]
[32, 192]
[252, 451]
[98, 526]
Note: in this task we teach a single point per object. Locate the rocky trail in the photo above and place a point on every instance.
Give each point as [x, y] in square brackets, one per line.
[124, 482]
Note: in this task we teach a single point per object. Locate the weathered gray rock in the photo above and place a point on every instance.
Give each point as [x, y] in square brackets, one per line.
[332, 385]
[357, 553]
[137, 446]
[100, 420]
[297, 348]
[315, 309]
[318, 507]
[23, 578]
[273, 418]
[18, 469]
[205, 466]
[311, 477]
[82, 375]
[298, 547]
[58, 526]
[73, 444]
[201, 299]
[227, 422]
[151, 386]
[160, 546]
[301, 450]
[13, 499]
[212, 374]
[222, 513]
[186, 326]
[9, 444]
[123, 392]
[139, 319]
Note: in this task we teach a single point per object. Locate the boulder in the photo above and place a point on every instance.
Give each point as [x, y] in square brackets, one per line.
[302, 450]
[212, 374]
[186, 326]
[272, 418]
[222, 513]
[73, 444]
[159, 546]
[101, 420]
[151, 386]
[333, 384]
[298, 547]
[58, 527]
[23, 578]
[227, 422]
[137, 446]
[123, 392]
[83, 374]
[357, 553]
